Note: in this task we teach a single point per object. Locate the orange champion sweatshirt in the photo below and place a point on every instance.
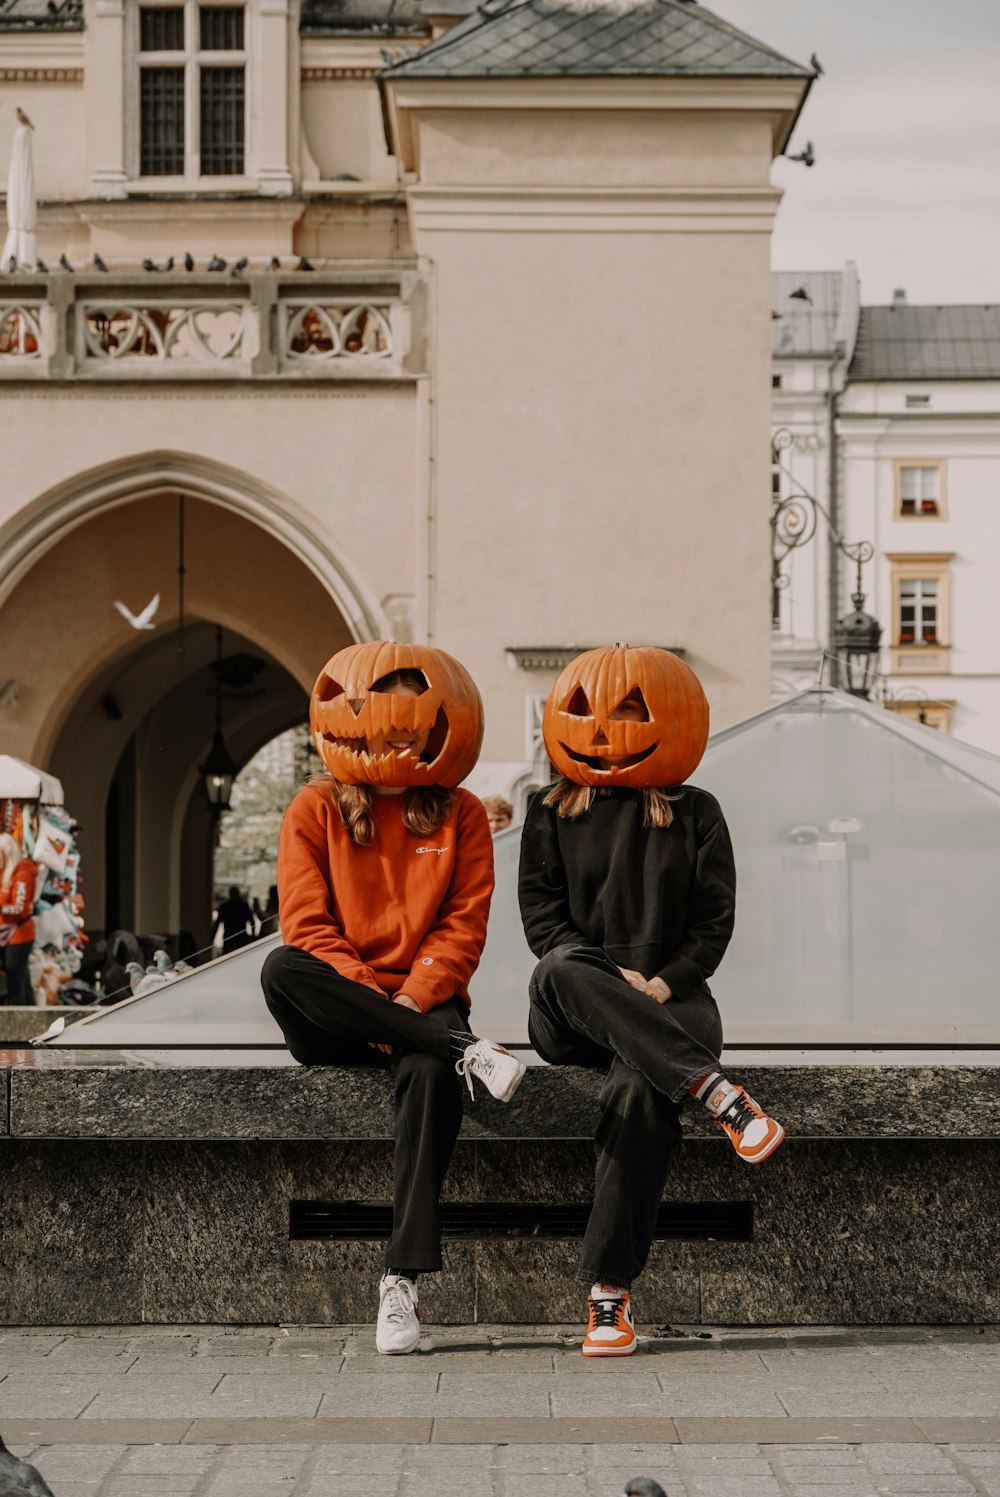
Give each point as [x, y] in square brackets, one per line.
[406, 912]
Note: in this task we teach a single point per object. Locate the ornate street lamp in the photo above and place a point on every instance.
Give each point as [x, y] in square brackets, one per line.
[218, 770]
[856, 647]
[856, 638]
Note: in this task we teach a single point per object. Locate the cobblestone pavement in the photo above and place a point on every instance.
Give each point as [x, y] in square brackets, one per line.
[504, 1412]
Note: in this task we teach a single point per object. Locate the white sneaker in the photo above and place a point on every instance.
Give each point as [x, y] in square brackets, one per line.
[398, 1328]
[498, 1070]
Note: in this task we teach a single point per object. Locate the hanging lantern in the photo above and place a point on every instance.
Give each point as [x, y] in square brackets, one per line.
[218, 771]
[856, 642]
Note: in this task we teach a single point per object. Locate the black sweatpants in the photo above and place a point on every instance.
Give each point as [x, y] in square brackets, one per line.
[327, 1020]
[584, 1013]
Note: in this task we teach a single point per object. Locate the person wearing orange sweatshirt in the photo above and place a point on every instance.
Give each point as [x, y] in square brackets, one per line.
[385, 873]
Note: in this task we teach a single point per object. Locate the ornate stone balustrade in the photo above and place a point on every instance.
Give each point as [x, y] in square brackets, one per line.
[262, 326]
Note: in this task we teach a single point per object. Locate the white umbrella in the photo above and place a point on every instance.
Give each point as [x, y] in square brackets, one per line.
[21, 244]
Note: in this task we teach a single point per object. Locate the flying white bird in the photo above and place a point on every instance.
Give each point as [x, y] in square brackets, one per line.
[143, 620]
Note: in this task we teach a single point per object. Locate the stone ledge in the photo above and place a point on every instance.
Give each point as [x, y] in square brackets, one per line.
[57, 1099]
[20, 1025]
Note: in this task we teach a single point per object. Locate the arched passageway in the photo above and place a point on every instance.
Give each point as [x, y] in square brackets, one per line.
[124, 717]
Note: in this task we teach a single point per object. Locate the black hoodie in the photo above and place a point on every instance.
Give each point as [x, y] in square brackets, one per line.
[657, 899]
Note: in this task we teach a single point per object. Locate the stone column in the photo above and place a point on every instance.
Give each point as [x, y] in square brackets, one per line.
[104, 64]
[275, 86]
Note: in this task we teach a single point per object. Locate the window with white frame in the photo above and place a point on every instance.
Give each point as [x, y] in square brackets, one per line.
[192, 66]
[919, 615]
[919, 488]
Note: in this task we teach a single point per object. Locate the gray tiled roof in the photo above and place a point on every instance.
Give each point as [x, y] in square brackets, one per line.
[904, 342]
[587, 38]
[804, 328]
[38, 15]
[351, 17]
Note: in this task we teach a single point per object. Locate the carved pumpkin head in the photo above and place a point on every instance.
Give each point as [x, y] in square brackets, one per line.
[623, 716]
[371, 728]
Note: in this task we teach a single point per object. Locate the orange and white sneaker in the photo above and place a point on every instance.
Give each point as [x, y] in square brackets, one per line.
[610, 1330]
[751, 1132]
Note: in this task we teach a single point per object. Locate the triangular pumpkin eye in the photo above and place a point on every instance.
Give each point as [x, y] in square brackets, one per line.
[578, 706]
[634, 698]
[327, 688]
[356, 704]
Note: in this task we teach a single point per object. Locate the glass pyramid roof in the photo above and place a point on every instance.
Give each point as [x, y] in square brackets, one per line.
[868, 859]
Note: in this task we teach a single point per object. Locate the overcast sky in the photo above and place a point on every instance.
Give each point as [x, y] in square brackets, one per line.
[906, 129]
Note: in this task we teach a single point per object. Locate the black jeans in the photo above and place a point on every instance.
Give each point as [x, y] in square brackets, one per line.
[584, 1013]
[327, 1020]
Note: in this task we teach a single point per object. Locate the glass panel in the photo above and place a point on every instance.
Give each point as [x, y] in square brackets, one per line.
[222, 92]
[221, 28]
[161, 28]
[161, 109]
[868, 859]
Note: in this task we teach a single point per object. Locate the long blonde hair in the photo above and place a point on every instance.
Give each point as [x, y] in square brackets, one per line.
[10, 856]
[425, 807]
[572, 800]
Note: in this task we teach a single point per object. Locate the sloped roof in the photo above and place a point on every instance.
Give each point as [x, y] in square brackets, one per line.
[355, 17]
[904, 342]
[804, 327]
[36, 15]
[587, 38]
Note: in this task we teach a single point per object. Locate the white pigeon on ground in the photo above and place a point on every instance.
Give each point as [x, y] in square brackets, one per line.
[18, 1479]
[143, 620]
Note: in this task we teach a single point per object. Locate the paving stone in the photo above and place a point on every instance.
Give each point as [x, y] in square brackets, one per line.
[937, 1482]
[24, 1396]
[901, 1458]
[160, 1459]
[264, 1431]
[75, 1462]
[176, 1483]
[528, 1484]
[542, 1458]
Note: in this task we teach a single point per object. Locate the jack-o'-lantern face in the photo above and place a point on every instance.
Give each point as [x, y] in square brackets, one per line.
[396, 715]
[623, 716]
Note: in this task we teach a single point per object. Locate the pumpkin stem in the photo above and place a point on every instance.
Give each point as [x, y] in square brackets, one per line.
[622, 644]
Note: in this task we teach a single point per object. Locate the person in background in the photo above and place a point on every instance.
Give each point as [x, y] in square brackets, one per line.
[267, 914]
[499, 813]
[236, 919]
[18, 879]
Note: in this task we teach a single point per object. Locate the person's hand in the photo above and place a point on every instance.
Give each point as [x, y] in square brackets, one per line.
[405, 1001]
[660, 990]
[386, 1049]
[653, 987]
[634, 979]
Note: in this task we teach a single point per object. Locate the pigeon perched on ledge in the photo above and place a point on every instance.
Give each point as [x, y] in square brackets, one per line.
[18, 1479]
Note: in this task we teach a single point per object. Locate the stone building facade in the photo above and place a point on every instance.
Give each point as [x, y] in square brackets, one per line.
[355, 318]
[890, 416]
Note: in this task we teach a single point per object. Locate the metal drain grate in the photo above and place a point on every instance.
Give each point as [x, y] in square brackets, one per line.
[364, 1221]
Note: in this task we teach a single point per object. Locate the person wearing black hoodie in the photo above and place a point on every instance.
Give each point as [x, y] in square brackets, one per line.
[627, 893]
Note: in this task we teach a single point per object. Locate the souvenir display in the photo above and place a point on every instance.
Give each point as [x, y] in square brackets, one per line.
[350, 710]
[662, 745]
[46, 835]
